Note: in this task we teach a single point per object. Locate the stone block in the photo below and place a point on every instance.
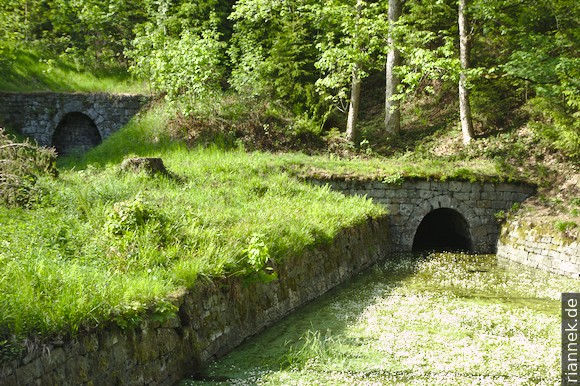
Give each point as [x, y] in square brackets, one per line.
[406, 209]
[9, 380]
[422, 185]
[456, 186]
[484, 204]
[29, 373]
[462, 196]
[53, 359]
[377, 185]
[444, 201]
[569, 268]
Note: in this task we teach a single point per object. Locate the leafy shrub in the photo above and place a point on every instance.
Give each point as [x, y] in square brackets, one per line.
[128, 216]
[21, 163]
[557, 125]
[256, 124]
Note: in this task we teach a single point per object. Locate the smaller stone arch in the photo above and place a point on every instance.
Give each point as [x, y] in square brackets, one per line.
[76, 132]
[443, 229]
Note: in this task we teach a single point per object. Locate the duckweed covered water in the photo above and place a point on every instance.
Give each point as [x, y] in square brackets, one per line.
[444, 319]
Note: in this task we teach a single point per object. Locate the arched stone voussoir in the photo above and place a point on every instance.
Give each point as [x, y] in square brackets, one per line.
[425, 206]
[440, 201]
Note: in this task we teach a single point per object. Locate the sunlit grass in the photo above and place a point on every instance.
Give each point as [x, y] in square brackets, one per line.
[28, 70]
[104, 244]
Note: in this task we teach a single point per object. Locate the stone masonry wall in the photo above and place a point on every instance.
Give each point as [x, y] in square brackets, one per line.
[539, 247]
[213, 318]
[409, 202]
[37, 115]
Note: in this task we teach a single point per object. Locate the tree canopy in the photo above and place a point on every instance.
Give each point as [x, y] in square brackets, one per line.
[525, 54]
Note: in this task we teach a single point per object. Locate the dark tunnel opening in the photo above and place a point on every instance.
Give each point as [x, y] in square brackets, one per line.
[75, 133]
[443, 230]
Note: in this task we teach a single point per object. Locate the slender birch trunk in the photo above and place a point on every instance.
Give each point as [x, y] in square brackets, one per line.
[392, 111]
[353, 107]
[351, 129]
[464, 106]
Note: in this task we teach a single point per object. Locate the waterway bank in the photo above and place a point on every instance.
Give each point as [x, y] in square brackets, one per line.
[444, 320]
[211, 319]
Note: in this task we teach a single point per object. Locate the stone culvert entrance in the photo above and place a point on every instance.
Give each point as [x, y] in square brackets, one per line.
[76, 132]
[68, 121]
[439, 215]
[443, 230]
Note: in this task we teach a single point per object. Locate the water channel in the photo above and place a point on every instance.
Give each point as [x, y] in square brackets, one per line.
[440, 319]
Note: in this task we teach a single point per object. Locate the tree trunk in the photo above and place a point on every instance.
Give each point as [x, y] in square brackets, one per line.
[464, 106]
[351, 130]
[392, 112]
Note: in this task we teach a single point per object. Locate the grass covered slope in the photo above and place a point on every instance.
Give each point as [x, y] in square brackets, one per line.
[102, 244]
[28, 70]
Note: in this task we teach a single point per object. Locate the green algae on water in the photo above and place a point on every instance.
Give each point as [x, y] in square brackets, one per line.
[442, 319]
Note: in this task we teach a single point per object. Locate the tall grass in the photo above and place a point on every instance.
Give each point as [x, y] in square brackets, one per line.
[103, 245]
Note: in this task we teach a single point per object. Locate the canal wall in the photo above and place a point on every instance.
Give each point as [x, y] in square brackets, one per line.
[539, 246]
[213, 318]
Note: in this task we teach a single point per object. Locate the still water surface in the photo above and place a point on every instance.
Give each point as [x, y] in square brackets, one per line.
[443, 319]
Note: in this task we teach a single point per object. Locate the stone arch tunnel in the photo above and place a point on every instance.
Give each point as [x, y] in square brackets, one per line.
[438, 215]
[443, 230]
[68, 121]
[76, 132]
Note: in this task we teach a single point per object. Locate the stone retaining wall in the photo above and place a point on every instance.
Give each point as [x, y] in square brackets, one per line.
[539, 247]
[213, 318]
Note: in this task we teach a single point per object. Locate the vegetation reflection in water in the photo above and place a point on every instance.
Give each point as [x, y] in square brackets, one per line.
[444, 319]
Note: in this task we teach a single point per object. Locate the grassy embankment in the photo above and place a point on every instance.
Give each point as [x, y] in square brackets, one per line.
[101, 244]
[29, 70]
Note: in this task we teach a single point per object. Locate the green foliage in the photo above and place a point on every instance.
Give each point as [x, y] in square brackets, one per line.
[273, 52]
[426, 36]
[180, 49]
[565, 226]
[190, 66]
[257, 253]
[127, 216]
[92, 33]
[233, 121]
[554, 124]
[352, 39]
[21, 163]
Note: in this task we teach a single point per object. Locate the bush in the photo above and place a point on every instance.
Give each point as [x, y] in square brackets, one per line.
[21, 163]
